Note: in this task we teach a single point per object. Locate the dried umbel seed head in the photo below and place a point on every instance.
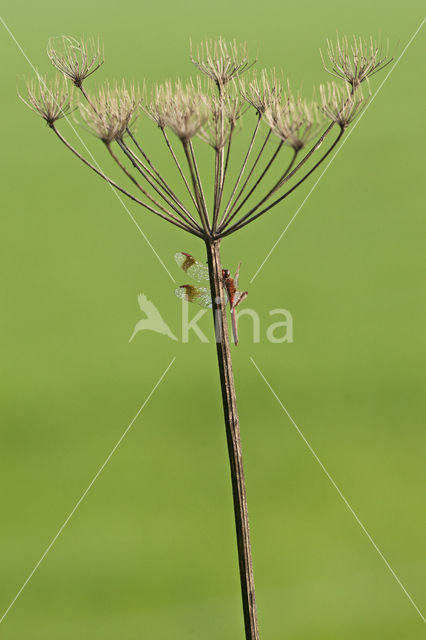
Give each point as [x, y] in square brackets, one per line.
[225, 112]
[355, 61]
[155, 106]
[221, 61]
[233, 108]
[111, 111]
[184, 108]
[339, 104]
[49, 98]
[261, 92]
[76, 59]
[295, 121]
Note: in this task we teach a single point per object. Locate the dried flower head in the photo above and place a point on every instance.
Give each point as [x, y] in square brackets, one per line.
[155, 106]
[339, 104]
[76, 59]
[49, 98]
[261, 93]
[111, 111]
[355, 61]
[225, 112]
[221, 61]
[233, 109]
[184, 108]
[295, 120]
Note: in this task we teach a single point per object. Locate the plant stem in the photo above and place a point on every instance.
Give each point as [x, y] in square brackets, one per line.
[233, 439]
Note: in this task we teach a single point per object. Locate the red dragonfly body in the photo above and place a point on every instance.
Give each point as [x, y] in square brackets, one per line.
[201, 295]
[234, 297]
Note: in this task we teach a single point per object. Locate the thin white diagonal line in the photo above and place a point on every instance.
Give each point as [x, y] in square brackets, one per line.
[92, 482]
[338, 490]
[94, 161]
[338, 150]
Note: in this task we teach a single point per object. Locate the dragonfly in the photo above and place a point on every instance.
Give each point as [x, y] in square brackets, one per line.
[199, 272]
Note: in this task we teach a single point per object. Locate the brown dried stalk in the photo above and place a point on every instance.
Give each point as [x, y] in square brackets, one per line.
[210, 113]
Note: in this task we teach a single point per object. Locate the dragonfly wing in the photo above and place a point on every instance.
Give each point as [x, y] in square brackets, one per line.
[237, 275]
[198, 271]
[197, 295]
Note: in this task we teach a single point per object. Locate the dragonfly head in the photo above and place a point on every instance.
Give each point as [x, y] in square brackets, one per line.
[225, 273]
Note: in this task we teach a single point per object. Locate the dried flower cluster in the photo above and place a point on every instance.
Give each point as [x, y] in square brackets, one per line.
[262, 93]
[339, 104]
[49, 98]
[210, 111]
[224, 114]
[182, 107]
[295, 120]
[111, 111]
[76, 59]
[355, 61]
[221, 61]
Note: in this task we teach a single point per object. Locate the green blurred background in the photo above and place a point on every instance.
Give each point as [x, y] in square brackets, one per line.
[151, 552]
